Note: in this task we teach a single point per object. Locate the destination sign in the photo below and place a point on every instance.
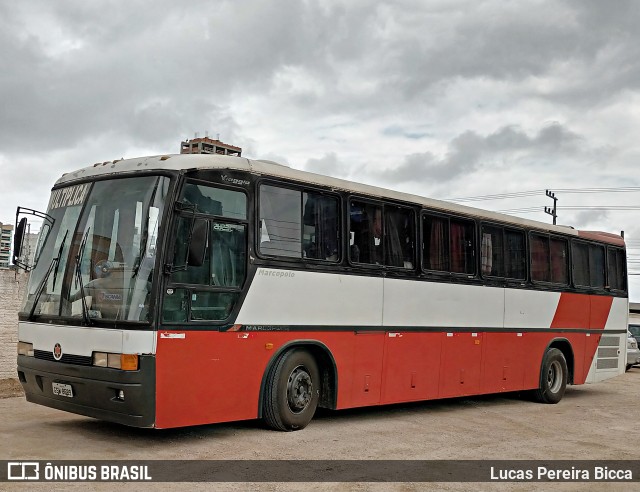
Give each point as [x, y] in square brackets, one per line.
[68, 197]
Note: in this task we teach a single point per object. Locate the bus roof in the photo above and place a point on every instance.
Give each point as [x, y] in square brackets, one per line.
[179, 162]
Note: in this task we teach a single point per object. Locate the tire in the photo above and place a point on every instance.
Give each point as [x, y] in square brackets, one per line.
[292, 391]
[553, 377]
[629, 366]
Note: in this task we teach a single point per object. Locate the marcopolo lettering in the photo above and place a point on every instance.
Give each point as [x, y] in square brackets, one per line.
[277, 273]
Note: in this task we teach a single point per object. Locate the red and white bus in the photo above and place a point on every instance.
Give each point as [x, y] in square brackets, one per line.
[190, 289]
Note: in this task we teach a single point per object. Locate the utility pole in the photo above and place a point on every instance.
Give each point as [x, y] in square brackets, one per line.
[552, 212]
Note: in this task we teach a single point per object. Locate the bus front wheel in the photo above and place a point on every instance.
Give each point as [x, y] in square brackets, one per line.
[292, 391]
[553, 377]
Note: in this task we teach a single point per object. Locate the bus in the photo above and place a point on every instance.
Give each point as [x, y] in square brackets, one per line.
[180, 290]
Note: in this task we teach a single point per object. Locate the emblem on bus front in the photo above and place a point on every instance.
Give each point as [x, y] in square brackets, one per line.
[57, 351]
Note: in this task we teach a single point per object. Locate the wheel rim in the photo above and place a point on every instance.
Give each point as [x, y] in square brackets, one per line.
[299, 389]
[554, 377]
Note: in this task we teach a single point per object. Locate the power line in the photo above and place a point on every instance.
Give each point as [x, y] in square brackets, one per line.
[517, 194]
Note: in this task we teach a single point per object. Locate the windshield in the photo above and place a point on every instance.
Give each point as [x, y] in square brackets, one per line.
[97, 260]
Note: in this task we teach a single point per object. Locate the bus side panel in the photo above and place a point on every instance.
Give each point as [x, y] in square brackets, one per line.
[503, 362]
[578, 343]
[461, 364]
[366, 368]
[201, 377]
[411, 366]
[573, 311]
[209, 376]
[600, 310]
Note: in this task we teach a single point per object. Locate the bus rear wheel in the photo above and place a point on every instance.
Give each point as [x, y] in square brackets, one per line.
[553, 377]
[292, 391]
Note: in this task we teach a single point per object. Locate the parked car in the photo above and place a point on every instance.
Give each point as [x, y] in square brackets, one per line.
[635, 331]
[633, 353]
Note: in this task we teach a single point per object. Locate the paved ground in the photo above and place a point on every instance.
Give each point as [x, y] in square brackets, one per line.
[592, 422]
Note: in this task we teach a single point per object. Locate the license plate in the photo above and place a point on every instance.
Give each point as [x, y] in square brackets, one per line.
[63, 390]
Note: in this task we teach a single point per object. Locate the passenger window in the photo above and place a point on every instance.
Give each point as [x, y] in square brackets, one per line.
[299, 224]
[549, 259]
[492, 251]
[381, 235]
[448, 244]
[616, 269]
[503, 253]
[581, 264]
[280, 228]
[596, 266]
[515, 255]
[365, 229]
[588, 265]
[321, 224]
[435, 241]
[399, 237]
[540, 258]
[559, 252]
[462, 246]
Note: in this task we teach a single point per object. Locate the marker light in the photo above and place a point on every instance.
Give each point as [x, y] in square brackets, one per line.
[129, 362]
[25, 349]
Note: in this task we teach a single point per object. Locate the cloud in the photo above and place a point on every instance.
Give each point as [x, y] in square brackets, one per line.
[328, 165]
[467, 152]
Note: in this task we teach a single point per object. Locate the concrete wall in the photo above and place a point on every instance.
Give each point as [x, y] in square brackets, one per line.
[12, 290]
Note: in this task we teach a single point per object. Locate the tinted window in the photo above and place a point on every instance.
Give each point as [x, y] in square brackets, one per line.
[435, 243]
[448, 244]
[581, 264]
[616, 269]
[492, 252]
[515, 255]
[215, 201]
[321, 224]
[398, 237]
[299, 224]
[559, 252]
[588, 265]
[381, 235]
[548, 259]
[540, 259]
[280, 228]
[365, 229]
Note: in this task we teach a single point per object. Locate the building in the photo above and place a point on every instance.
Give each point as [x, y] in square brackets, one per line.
[6, 234]
[208, 145]
[28, 248]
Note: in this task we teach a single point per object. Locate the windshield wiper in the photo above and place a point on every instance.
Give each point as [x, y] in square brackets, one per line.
[55, 263]
[79, 282]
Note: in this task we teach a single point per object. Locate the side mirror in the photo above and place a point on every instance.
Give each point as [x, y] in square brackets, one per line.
[22, 229]
[198, 242]
[18, 240]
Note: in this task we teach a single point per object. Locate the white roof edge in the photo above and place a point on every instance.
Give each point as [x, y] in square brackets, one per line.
[178, 162]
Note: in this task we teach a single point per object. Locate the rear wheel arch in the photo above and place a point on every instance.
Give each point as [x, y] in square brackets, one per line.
[554, 372]
[565, 347]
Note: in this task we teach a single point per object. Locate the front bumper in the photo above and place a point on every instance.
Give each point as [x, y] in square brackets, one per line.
[95, 389]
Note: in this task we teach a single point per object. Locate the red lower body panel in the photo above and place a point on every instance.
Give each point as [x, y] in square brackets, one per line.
[205, 376]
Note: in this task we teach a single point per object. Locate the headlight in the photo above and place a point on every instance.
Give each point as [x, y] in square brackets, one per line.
[25, 349]
[126, 362]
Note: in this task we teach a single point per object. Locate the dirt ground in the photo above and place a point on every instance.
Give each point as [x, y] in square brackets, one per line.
[593, 422]
[10, 388]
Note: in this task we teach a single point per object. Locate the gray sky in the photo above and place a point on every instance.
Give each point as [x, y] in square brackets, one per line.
[449, 98]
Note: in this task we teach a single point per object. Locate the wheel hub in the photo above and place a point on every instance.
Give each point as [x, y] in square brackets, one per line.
[299, 389]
